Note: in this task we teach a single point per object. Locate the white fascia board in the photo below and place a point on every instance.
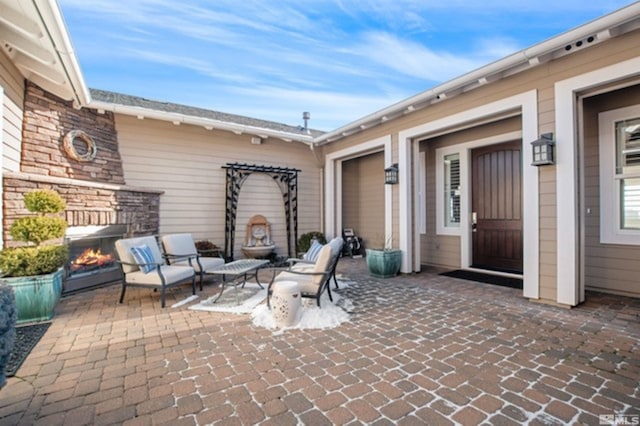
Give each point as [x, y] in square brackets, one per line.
[53, 21]
[199, 121]
[526, 57]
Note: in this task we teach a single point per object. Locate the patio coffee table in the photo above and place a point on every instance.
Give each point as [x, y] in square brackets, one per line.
[240, 270]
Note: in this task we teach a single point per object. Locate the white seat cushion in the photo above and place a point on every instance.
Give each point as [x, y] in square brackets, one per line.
[172, 274]
[179, 245]
[306, 282]
[303, 267]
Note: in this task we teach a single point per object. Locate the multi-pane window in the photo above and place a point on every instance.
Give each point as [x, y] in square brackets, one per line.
[627, 173]
[452, 190]
[619, 149]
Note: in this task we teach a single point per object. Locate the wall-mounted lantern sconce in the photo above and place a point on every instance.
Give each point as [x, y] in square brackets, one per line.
[543, 150]
[391, 174]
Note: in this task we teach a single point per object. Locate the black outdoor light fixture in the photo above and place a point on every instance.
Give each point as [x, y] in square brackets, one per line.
[543, 150]
[391, 174]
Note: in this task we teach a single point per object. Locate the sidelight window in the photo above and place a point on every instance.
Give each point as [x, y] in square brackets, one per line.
[452, 190]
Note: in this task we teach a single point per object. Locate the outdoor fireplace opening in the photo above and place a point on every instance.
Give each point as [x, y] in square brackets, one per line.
[92, 260]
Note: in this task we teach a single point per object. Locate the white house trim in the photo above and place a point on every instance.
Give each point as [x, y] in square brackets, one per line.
[527, 103]
[611, 230]
[570, 290]
[333, 184]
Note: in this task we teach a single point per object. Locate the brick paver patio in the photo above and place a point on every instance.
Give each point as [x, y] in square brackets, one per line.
[419, 349]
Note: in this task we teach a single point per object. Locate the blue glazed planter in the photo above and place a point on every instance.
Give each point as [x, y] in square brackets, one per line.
[36, 296]
[384, 263]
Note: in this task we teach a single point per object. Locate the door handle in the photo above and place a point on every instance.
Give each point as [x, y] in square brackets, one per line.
[474, 221]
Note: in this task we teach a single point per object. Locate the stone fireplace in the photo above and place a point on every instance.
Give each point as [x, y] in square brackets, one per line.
[100, 206]
[91, 256]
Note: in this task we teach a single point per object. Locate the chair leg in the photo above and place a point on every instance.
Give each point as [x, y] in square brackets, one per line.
[269, 294]
[193, 284]
[329, 292]
[335, 280]
[201, 278]
[124, 286]
[162, 297]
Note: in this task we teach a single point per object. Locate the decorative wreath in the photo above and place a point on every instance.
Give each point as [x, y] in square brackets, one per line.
[71, 151]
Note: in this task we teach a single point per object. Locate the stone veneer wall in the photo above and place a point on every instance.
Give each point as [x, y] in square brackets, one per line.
[47, 119]
[95, 191]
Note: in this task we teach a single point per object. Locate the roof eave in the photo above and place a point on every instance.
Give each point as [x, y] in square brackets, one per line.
[207, 123]
[600, 29]
[53, 21]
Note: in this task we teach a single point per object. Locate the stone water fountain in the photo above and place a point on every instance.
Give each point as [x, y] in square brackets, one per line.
[258, 241]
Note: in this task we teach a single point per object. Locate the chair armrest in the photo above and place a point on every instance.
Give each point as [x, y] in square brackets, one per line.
[156, 265]
[292, 271]
[170, 257]
[122, 262]
[294, 260]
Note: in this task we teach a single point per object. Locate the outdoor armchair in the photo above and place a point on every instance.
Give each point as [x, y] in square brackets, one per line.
[142, 265]
[180, 249]
[298, 264]
[313, 282]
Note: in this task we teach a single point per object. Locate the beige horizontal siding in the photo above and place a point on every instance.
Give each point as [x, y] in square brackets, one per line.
[363, 198]
[608, 267]
[186, 163]
[12, 114]
[542, 79]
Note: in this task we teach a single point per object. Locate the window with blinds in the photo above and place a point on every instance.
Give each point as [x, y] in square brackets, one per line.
[628, 171]
[452, 189]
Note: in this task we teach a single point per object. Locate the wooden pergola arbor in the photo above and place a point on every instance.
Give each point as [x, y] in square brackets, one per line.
[286, 179]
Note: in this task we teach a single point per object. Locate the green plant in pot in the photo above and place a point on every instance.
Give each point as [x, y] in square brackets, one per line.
[304, 242]
[384, 261]
[35, 270]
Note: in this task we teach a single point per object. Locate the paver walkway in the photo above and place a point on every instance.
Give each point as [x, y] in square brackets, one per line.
[419, 349]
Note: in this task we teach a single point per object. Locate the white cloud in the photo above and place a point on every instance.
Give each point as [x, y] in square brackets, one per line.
[414, 59]
[339, 59]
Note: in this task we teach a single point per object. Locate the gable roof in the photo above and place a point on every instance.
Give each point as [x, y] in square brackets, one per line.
[177, 113]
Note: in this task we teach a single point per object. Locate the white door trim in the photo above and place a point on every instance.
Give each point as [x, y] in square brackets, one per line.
[570, 289]
[527, 103]
[333, 184]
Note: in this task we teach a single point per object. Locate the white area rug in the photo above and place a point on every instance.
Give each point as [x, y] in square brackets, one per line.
[249, 296]
[330, 315]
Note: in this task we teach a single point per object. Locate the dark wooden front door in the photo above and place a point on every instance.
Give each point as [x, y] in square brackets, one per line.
[497, 207]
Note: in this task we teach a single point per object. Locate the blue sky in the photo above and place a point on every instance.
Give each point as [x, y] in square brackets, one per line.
[338, 59]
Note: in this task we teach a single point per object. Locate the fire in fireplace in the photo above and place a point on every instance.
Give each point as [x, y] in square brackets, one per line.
[91, 258]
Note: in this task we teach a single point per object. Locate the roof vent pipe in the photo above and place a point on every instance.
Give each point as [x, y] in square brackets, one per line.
[306, 116]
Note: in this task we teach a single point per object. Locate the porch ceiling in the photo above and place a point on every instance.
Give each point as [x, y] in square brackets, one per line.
[34, 37]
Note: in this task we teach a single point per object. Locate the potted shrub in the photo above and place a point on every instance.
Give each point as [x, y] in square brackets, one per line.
[35, 270]
[304, 242]
[384, 262]
[206, 248]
